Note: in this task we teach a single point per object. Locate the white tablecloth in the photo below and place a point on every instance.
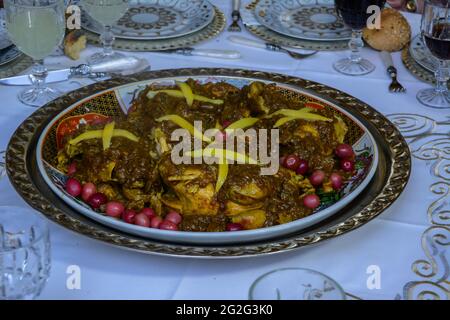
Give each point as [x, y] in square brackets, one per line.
[393, 241]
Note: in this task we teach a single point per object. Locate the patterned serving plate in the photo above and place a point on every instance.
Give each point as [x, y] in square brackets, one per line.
[422, 55]
[388, 183]
[158, 19]
[117, 100]
[303, 19]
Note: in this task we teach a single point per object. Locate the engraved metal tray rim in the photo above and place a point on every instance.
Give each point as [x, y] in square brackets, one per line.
[391, 177]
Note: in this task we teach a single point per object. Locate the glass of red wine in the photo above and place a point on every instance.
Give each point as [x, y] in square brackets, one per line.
[436, 34]
[356, 14]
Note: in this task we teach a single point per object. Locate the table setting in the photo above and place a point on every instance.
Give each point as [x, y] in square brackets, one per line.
[94, 205]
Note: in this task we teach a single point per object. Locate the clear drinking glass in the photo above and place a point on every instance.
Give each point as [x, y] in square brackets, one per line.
[355, 15]
[435, 29]
[295, 284]
[2, 164]
[24, 254]
[36, 27]
[106, 12]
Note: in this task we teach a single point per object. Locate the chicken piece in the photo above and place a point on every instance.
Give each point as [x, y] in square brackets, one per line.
[161, 141]
[307, 130]
[340, 129]
[258, 104]
[248, 193]
[136, 198]
[251, 219]
[233, 208]
[105, 173]
[194, 186]
[108, 190]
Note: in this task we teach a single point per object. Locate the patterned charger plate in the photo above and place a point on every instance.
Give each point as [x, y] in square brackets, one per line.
[160, 19]
[417, 69]
[389, 181]
[422, 55]
[9, 54]
[303, 19]
[16, 66]
[210, 31]
[4, 38]
[254, 27]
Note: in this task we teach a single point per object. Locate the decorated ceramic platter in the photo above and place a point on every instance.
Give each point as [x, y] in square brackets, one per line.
[302, 19]
[420, 53]
[193, 191]
[158, 19]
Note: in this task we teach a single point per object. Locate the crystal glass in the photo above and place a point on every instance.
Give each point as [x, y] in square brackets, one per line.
[354, 13]
[24, 253]
[105, 12]
[2, 164]
[435, 29]
[36, 27]
[295, 284]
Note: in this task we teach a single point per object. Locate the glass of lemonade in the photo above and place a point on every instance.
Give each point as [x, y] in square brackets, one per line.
[105, 12]
[36, 27]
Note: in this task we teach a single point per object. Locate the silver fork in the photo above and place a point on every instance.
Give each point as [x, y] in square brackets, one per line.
[395, 86]
[236, 16]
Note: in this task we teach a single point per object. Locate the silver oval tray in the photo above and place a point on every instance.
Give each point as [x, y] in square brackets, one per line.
[389, 181]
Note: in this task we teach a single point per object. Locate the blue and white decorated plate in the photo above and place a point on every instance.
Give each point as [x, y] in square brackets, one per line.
[303, 19]
[116, 101]
[158, 19]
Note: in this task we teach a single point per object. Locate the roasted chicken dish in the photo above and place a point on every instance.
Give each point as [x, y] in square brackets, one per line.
[124, 168]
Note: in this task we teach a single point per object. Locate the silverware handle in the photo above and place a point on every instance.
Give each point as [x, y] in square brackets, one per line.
[388, 63]
[217, 53]
[387, 59]
[236, 5]
[247, 42]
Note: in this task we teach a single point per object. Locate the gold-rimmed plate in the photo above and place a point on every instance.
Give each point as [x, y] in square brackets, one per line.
[388, 183]
[209, 32]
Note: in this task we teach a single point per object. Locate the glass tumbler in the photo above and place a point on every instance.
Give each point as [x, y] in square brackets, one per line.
[24, 253]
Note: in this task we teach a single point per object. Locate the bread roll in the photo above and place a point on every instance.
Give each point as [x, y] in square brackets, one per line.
[74, 43]
[394, 34]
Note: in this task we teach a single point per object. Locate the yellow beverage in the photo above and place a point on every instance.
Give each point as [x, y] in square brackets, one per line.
[105, 11]
[36, 31]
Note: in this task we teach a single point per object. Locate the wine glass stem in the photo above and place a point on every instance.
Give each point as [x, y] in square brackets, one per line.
[38, 74]
[355, 45]
[442, 77]
[107, 41]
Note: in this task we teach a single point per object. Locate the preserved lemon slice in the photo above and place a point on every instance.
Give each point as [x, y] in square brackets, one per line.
[108, 131]
[187, 92]
[183, 123]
